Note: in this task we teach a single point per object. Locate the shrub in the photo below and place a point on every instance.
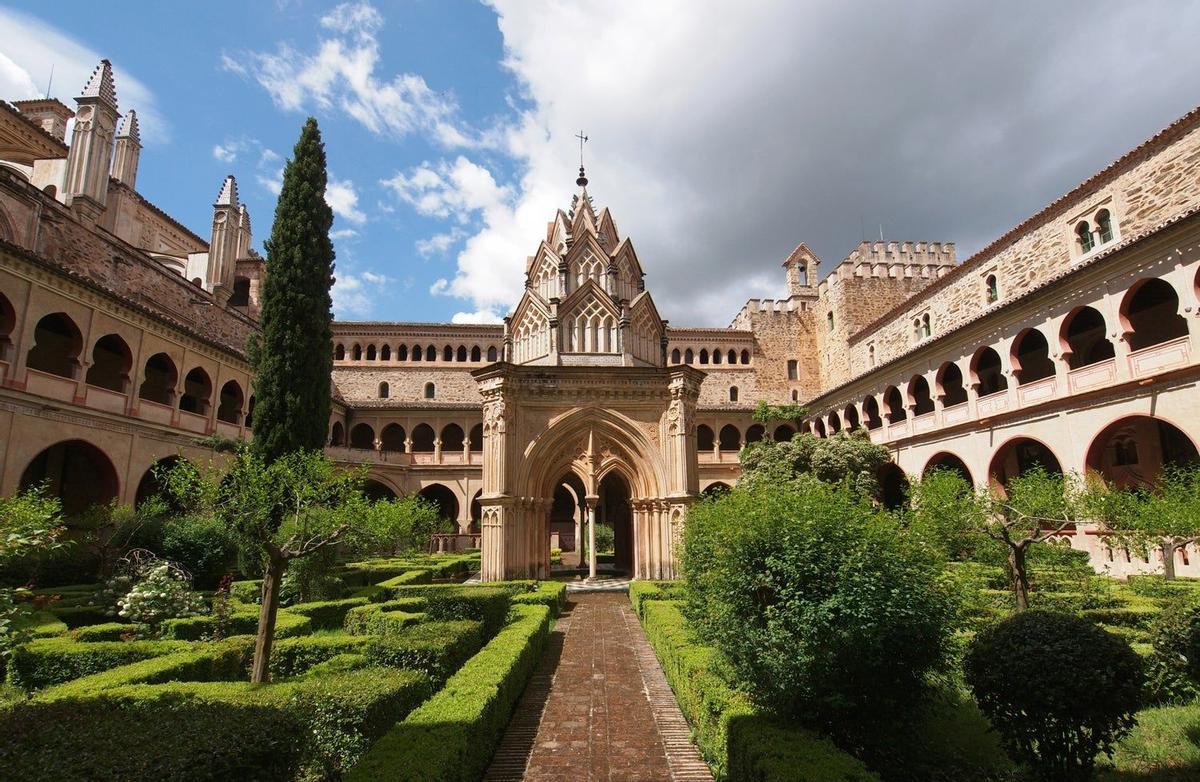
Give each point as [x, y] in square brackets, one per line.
[48, 661]
[295, 656]
[380, 618]
[160, 595]
[435, 648]
[552, 594]
[1174, 665]
[246, 591]
[738, 740]
[821, 605]
[327, 614]
[642, 592]
[1055, 721]
[198, 628]
[202, 545]
[39, 624]
[485, 603]
[451, 737]
[109, 631]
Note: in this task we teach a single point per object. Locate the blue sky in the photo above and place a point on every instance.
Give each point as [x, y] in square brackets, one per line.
[721, 134]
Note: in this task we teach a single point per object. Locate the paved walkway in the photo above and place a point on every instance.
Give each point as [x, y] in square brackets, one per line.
[598, 707]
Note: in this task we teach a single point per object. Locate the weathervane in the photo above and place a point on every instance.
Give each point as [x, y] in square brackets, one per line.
[582, 181]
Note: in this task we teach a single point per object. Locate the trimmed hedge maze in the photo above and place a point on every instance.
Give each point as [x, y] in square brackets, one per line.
[403, 678]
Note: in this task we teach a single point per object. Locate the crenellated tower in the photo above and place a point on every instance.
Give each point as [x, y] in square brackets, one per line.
[90, 156]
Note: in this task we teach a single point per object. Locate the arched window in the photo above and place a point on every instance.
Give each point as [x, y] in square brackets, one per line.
[339, 353]
[431, 353]
[829, 321]
[675, 356]
[418, 353]
[392, 438]
[385, 353]
[1031, 357]
[926, 328]
[793, 369]
[987, 373]
[730, 438]
[452, 437]
[491, 354]
[430, 390]
[241, 292]
[745, 356]
[1104, 226]
[850, 416]
[476, 437]
[893, 401]
[362, 436]
[918, 394]
[733, 393]
[384, 389]
[950, 383]
[731, 358]
[337, 435]
[461, 354]
[689, 357]
[229, 409]
[783, 433]
[111, 362]
[755, 433]
[835, 423]
[422, 439]
[1083, 234]
[703, 355]
[357, 353]
[871, 413]
[161, 375]
[1151, 313]
[402, 352]
[56, 346]
[716, 356]
[197, 392]
[870, 355]
[1084, 338]
[371, 353]
[993, 289]
[704, 438]
[448, 353]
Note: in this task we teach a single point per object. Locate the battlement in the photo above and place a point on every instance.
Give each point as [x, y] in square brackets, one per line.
[767, 307]
[912, 260]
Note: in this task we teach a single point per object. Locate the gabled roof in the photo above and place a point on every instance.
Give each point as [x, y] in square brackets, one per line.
[802, 252]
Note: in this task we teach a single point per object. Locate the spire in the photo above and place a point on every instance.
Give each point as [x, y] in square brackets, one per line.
[582, 180]
[228, 195]
[101, 85]
[129, 127]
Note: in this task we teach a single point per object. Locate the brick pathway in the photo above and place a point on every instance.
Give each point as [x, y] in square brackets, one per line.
[598, 708]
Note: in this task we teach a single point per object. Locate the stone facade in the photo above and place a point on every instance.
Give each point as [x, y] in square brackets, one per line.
[1070, 341]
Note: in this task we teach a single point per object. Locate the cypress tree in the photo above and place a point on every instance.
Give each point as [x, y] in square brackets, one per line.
[292, 360]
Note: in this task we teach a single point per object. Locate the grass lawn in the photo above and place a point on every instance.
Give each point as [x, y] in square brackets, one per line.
[1164, 747]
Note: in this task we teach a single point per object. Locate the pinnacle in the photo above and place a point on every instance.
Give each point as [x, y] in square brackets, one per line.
[129, 127]
[101, 84]
[228, 195]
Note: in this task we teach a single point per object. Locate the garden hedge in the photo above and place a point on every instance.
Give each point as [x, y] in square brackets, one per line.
[313, 728]
[109, 631]
[195, 628]
[552, 594]
[434, 648]
[739, 743]
[327, 614]
[380, 618]
[40, 624]
[47, 661]
[452, 736]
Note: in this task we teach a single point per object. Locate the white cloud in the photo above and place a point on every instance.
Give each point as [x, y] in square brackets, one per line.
[438, 244]
[481, 316]
[353, 294]
[32, 47]
[229, 151]
[459, 189]
[343, 233]
[343, 200]
[269, 171]
[342, 74]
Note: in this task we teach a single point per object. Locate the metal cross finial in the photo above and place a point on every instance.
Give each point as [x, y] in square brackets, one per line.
[582, 140]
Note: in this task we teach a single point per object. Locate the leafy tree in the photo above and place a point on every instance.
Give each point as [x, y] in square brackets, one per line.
[849, 457]
[401, 524]
[1165, 514]
[111, 530]
[1056, 722]
[296, 506]
[292, 359]
[944, 514]
[822, 608]
[30, 526]
[765, 413]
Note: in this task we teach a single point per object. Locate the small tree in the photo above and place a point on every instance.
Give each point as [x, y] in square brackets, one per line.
[1166, 514]
[30, 526]
[401, 524]
[1055, 721]
[849, 457]
[295, 507]
[945, 514]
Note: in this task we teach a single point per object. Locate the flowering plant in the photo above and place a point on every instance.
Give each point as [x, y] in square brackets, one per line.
[163, 593]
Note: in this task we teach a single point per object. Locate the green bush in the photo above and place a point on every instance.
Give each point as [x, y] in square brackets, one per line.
[739, 741]
[234, 730]
[380, 618]
[435, 648]
[327, 614]
[39, 624]
[409, 578]
[287, 625]
[552, 594]
[642, 592]
[246, 591]
[824, 608]
[110, 631]
[47, 661]
[451, 737]
[488, 604]
[295, 656]
[1173, 669]
[1057, 721]
[202, 545]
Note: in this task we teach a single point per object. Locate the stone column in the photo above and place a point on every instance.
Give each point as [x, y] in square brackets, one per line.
[592, 501]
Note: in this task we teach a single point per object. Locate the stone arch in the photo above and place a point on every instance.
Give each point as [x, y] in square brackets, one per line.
[356, 353]
[150, 486]
[716, 489]
[893, 486]
[476, 512]
[57, 343]
[77, 472]
[339, 352]
[745, 356]
[476, 354]
[944, 460]
[475, 438]
[111, 361]
[919, 396]
[461, 354]
[986, 372]
[850, 416]
[385, 353]
[1083, 338]
[402, 352]
[1150, 314]
[337, 434]
[229, 408]
[197, 392]
[835, 422]
[392, 438]
[783, 433]
[818, 427]
[705, 439]
[756, 433]
[675, 356]
[362, 436]
[1030, 357]
[729, 438]
[492, 353]
[8, 323]
[871, 413]
[893, 402]
[1134, 450]
[422, 438]
[431, 353]
[949, 381]
[616, 439]
[689, 357]
[452, 438]
[448, 353]
[1017, 456]
[371, 354]
[160, 379]
[375, 489]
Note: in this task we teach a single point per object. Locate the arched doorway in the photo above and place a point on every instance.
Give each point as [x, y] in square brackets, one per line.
[375, 490]
[76, 472]
[893, 486]
[443, 497]
[151, 486]
[1020, 455]
[948, 461]
[1133, 451]
[615, 513]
